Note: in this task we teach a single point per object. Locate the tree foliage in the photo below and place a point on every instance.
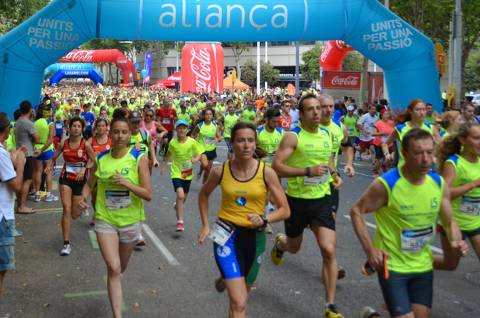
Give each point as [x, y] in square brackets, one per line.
[267, 73]
[238, 48]
[353, 62]
[432, 17]
[311, 68]
[14, 12]
[472, 72]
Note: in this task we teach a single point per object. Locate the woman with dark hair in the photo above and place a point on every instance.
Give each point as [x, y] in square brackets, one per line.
[76, 153]
[459, 163]
[208, 134]
[413, 117]
[123, 182]
[100, 142]
[238, 234]
[44, 151]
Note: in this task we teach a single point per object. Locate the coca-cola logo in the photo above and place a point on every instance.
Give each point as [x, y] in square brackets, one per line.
[200, 65]
[325, 52]
[345, 81]
[83, 56]
[342, 80]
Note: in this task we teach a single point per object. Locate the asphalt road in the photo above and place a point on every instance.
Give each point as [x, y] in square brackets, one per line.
[173, 276]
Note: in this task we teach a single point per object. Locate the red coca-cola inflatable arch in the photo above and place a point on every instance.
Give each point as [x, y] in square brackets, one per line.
[103, 56]
[333, 54]
[202, 68]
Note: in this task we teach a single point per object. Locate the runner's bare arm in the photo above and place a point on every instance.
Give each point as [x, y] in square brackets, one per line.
[449, 175]
[276, 190]
[450, 225]
[207, 188]
[374, 198]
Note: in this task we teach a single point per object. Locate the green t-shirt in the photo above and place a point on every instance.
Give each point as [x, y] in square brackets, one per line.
[185, 116]
[336, 131]
[143, 138]
[466, 208]
[351, 123]
[206, 136]
[182, 153]
[42, 127]
[115, 204]
[406, 225]
[312, 149]
[269, 141]
[228, 122]
[249, 116]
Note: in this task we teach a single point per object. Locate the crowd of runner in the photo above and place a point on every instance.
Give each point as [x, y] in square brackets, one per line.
[425, 166]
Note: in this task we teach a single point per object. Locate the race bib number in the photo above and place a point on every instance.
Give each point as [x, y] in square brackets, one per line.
[74, 167]
[209, 141]
[309, 181]
[117, 199]
[166, 121]
[415, 240]
[220, 232]
[58, 126]
[470, 205]
[186, 169]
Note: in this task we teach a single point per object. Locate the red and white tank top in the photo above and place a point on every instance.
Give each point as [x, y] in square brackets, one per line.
[75, 159]
[98, 148]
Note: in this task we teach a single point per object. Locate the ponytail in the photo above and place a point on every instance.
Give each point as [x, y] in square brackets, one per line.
[452, 144]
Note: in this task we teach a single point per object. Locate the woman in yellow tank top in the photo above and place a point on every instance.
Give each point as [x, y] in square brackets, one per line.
[238, 233]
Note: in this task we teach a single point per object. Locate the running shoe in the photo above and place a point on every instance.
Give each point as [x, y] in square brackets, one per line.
[141, 241]
[332, 312]
[276, 254]
[37, 197]
[66, 250]
[220, 285]
[341, 272]
[50, 197]
[369, 312]
[180, 227]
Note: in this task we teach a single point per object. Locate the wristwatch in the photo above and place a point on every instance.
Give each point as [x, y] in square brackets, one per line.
[265, 223]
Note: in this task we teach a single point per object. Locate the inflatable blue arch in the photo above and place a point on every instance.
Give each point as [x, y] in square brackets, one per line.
[56, 72]
[405, 54]
[74, 70]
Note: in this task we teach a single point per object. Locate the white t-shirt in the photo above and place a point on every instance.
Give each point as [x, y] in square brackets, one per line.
[7, 198]
[367, 122]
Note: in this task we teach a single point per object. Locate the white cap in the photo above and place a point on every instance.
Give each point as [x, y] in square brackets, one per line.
[350, 108]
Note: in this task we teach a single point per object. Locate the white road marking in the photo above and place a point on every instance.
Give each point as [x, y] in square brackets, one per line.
[161, 247]
[373, 226]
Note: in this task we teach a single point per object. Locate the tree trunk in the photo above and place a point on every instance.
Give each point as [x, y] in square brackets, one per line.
[364, 83]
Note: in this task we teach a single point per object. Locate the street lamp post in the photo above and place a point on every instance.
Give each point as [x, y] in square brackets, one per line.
[297, 67]
[457, 51]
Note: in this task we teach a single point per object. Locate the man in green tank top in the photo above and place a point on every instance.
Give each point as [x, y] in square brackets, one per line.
[305, 158]
[408, 201]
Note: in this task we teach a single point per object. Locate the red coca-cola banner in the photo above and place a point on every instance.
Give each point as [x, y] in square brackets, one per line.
[202, 68]
[103, 56]
[342, 80]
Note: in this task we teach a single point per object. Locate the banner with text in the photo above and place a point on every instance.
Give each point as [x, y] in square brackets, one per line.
[342, 80]
[202, 68]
